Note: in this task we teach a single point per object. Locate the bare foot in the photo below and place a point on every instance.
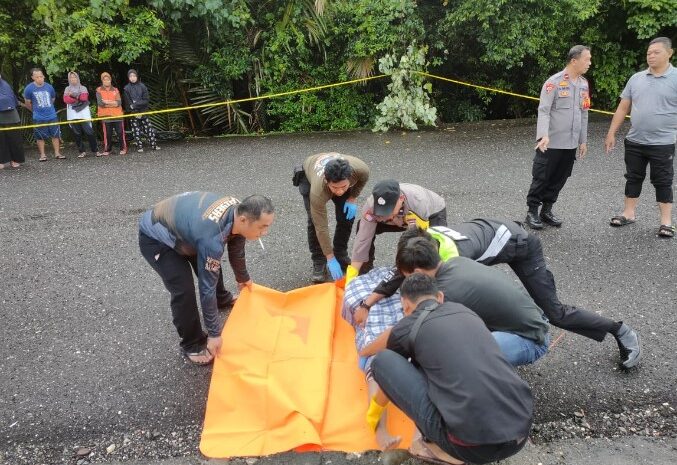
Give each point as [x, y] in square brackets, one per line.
[385, 440]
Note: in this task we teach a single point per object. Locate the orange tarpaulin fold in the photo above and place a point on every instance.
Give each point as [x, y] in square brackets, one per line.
[287, 378]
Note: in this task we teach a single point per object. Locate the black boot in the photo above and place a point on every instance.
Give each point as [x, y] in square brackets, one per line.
[628, 345]
[548, 217]
[318, 273]
[532, 220]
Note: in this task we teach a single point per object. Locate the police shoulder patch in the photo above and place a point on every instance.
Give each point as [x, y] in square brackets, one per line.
[549, 87]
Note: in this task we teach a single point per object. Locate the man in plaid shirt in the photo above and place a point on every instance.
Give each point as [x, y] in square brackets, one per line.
[385, 314]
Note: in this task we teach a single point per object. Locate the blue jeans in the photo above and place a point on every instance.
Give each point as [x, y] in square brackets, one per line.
[519, 350]
[407, 387]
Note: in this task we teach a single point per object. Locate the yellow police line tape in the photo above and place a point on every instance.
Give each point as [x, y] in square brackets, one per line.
[275, 95]
[492, 89]
[194, 107]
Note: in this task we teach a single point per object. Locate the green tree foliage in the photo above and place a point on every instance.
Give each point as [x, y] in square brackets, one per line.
[212, 51]
[408, 101]
[83, 34]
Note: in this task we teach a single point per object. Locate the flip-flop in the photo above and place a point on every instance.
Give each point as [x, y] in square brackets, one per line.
[42, 159]
[667, 231]
[620, 220]
[60, 157]
[201, 353]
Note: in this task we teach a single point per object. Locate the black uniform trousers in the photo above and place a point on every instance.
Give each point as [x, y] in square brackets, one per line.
[436, 219]
[341, 234]
[177, 271]
[524, 254]
[549, 172]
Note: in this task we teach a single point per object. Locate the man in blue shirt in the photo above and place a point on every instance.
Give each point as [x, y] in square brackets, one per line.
[39, 96]
[187, 234]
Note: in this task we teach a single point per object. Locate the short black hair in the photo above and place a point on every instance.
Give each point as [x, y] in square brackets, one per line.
[412, 233]
[667, 43]
[576, 51]
[337, 170]
[254, 206]
[34, 70]
[417, 253]
[418, 285]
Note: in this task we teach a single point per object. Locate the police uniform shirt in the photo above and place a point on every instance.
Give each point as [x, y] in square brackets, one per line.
[198, 224]
[418, 200]
[320, 194]
[477, 392]
[563, 111]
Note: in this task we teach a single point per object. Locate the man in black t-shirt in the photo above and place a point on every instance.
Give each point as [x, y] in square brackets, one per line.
[463, 395]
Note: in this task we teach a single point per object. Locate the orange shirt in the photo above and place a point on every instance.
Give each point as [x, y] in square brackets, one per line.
[108, 94]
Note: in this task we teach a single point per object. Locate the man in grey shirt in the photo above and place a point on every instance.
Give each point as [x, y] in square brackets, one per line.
[652, 96]
[562, 131]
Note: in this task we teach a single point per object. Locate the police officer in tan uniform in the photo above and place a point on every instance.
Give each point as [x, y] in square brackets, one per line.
[339, 178]
[562, 131]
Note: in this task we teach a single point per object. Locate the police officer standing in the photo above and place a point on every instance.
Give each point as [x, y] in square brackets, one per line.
[562, 130]
[339, 178]
[187, 234]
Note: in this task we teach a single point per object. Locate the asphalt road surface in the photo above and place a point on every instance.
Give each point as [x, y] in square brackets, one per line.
[89, 354]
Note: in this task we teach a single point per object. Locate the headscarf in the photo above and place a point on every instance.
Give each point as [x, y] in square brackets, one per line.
[106, 73]
[77, 89]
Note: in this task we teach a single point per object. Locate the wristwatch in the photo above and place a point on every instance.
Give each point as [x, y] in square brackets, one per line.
[364, 304]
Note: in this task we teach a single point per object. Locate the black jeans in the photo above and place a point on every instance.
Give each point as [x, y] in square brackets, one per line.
[11, 145]
[176, 272]
[661, 160]
[549, 172]
[527, 261]
[436, 219]
[407, 388]
[341, 235]
[86, 130]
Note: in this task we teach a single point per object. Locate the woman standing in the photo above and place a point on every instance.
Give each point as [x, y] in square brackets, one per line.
[76, 99]
[11, 143]
[110, 104]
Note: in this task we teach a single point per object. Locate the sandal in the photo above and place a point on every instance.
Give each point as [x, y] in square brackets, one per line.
[123, 152]
[60, 157]
[43, 158]
[666, 230]
[192, 357]
[620, 220]
[14, 164]
[419, 450]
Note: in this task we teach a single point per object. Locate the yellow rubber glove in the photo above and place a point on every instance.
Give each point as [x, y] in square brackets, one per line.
[421, 223]
[374, 413]
[351, 273]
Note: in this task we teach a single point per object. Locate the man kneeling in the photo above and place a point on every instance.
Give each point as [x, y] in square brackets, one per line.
[463, 395]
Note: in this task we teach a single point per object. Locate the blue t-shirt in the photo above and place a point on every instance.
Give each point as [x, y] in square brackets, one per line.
[41, 97]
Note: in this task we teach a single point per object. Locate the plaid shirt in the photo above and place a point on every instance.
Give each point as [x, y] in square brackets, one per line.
[382, 315]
